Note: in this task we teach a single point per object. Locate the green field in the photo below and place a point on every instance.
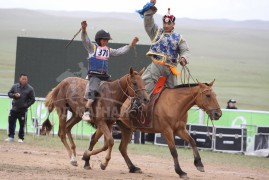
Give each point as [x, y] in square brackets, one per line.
[234, 53]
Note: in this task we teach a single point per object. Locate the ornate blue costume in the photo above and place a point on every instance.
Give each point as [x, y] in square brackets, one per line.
[164, 47]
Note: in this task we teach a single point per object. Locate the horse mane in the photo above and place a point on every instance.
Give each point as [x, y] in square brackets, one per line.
[188, 85]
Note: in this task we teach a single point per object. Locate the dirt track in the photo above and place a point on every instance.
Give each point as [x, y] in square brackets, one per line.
[22, 161]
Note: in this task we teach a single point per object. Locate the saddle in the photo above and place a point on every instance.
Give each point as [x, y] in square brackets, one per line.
[144, 118]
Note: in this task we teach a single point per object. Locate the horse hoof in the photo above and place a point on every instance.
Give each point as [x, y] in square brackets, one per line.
[200, 168]
[135, 170]
[74, 163]
[87, 167]
[103, 167]
[85, 156]
[138, 170]
[184, 176]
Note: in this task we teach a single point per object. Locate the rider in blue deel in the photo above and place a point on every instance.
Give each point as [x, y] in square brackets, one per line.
[168, 49]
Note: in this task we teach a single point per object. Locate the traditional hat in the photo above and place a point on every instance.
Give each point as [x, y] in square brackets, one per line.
[168, 17]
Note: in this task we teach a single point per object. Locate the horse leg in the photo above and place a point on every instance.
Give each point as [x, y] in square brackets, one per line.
[94, 139]
[62, 130]
[197, 159]
[169, 137]
[109, 141]
[69, 125]
[108, 144]
[126, 135]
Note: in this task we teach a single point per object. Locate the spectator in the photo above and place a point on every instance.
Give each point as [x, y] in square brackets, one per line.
[23, 96]
[231, 104]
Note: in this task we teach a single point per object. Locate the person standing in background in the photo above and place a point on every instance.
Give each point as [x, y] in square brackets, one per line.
[231, 104]
[23, 96]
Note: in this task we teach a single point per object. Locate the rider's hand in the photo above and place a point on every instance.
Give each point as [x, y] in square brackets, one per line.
[182, 61]
[153, 1]
[133, 43]
[153, 8]
[83, 26]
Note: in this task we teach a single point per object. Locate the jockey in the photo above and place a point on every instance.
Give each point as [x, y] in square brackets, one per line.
[99, 54]
[167, 50]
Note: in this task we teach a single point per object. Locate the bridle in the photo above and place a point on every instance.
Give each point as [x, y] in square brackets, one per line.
[129, 86]
[208, 110]
[203, 104]
[188, 76]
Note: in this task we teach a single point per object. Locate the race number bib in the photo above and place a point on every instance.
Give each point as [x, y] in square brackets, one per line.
[102, 53]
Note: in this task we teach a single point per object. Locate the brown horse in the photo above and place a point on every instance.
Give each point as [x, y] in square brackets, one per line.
[69, 95]
[170, 118]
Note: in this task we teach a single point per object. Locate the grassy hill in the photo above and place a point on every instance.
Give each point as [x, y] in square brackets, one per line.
[234, 53]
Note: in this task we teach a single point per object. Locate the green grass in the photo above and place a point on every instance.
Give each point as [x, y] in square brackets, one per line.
[208, 157]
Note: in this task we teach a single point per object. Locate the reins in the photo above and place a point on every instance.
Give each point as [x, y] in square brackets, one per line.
[208, 128]
[186, 74]
[134, 90]
[128, 85]
[122, 89]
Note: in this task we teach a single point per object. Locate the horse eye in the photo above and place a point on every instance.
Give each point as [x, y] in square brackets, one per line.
[208, 95]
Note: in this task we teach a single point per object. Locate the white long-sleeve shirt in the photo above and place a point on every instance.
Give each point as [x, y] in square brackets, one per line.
[89, 46]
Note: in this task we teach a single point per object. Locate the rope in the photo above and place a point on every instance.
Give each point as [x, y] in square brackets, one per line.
[135, 90]
[123, 90]
[184, 71]
[208, 128]
[188, 76]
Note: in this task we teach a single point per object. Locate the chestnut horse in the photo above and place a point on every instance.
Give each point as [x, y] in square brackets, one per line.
[170, 118]
[69, 95]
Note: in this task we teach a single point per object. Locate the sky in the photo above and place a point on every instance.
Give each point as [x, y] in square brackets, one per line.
[237, 10]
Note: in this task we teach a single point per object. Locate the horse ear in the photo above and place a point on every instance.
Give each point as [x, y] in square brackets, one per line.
[131, 70]
[211, 84]
[142, 71]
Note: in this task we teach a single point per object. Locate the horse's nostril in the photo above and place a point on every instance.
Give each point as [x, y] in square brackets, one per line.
[146, 100]
[217, 114]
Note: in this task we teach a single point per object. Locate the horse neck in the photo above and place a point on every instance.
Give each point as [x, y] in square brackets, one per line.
[120, 86]
[185, 97]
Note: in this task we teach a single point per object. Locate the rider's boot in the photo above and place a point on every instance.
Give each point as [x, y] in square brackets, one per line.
[134, 109]
[86, 114]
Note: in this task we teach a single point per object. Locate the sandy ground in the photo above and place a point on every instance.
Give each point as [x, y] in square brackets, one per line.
[22, 161]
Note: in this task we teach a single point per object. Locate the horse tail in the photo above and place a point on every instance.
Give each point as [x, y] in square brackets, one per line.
[51, 98]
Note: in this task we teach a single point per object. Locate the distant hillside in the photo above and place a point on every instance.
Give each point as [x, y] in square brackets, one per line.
[234, 52]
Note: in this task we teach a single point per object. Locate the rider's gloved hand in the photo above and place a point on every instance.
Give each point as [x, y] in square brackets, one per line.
[183, 61]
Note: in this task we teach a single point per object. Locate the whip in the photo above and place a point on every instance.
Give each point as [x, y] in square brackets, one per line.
[72, 39]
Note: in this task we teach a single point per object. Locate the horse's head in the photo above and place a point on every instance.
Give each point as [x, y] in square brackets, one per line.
[207, 101]
[136, 86]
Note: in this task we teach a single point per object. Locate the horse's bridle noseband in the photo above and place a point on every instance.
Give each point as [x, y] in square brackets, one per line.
[128, 85]
[203, 106]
